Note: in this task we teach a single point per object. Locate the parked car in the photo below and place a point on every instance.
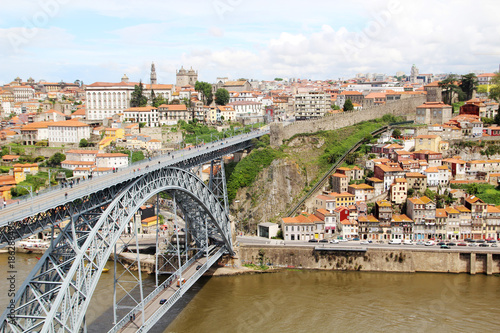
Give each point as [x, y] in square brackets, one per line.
[429, 243]
[494, 245]
[480, 241]
[334, 241]
[395, 241]
[492, 241]
[484, 245]
[462, 244]
[473, 244]
[365, 242]
[444, 246]
[441, 243]
[343, 240]
[198, 267]
[407, 242]
[312, 240]
[163, 301]
[355, 239]
[451, 244]
[420, 243]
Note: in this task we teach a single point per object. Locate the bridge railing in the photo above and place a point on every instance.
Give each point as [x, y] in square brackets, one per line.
[154, 293]
[181, 291]
[39, 203]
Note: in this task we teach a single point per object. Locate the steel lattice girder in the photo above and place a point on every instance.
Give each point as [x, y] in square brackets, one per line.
[57, 294]
[17, 230]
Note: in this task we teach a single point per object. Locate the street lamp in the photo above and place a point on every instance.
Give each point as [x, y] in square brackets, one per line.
[29, 188]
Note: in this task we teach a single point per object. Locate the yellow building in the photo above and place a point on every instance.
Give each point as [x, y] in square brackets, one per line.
[114, 133]
[429, 142]
[104, 143]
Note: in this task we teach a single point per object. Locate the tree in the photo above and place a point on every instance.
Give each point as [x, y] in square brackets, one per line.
[495, 87]
[56, 159]
[396, 133]
[206, 89]
[449, 86]
[348, 105]
[335, 107]
[83, 143]
[221, 96]
[157, 100]
[468, 85]
[497, 117]
[138, 98]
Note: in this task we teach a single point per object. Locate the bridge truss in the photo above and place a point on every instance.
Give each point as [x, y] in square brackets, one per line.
[56, 294]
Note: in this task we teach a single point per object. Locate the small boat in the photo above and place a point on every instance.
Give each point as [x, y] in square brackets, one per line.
[105, 270]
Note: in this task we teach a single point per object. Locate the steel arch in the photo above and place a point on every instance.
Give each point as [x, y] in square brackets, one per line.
[60, 304]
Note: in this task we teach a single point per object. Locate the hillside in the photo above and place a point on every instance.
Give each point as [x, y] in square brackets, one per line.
[282, 176]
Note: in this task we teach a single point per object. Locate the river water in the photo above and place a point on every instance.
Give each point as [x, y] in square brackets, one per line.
[318, 301]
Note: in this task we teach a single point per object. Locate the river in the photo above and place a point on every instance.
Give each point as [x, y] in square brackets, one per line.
[319, 301]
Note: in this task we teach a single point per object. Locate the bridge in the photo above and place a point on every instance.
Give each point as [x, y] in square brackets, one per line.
[88, 224]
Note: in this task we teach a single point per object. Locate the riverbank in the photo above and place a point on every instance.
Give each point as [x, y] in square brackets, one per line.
[372, 260]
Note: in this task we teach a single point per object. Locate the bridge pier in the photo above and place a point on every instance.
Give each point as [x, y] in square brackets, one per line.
[472, 268]
[489, 263]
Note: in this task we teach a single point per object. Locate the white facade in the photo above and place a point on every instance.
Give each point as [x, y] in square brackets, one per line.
[244, 108]
[146, 114]
[115, 160]
[23, 93]
[311, 105]
[69, 131]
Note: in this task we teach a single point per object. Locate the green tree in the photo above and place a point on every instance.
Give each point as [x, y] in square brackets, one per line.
[138, 98]
[83, 143]
[449, 86]
[396, 133]
[495, 87]
[335, 107]
[497, 117]
[469, 85]
[56, 159]
[348, 105]
[221, 96]
[278, 79]
[205, 89]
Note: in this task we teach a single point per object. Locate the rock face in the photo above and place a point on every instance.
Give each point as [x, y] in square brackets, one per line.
[278, 186]
[271, 194]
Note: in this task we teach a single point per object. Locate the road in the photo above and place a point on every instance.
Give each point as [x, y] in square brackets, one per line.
[248, 240]
[154, 304]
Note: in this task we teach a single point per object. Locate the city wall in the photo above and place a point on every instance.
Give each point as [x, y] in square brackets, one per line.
[378, 260]
[404, 107]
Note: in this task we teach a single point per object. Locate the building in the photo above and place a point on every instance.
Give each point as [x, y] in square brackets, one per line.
[433, 112]
[416, 181]
[237, 86]
[186, 77]
[399, 190]
[312, 105]
[426, 144]
[401, 227]
[267, 230]
[388, 174]
[330, 220]
[340, 182]
[348, 229]
[362, 192]
[302, 227]
[142, 114]
[69, 131]
[377, 184]
[112, 160]
[423, 212]
[170, 114]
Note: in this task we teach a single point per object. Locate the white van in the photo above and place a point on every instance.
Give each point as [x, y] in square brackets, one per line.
[408, 242]
[395, 241]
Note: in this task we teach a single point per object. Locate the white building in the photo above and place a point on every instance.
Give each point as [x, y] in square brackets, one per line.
[111, 160]
[246, 108]
[23, 93]
[311, 105]
[142, 114]
[104, 99]
[69, 131]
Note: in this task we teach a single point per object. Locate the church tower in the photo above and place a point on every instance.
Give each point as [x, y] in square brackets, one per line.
[153, 74]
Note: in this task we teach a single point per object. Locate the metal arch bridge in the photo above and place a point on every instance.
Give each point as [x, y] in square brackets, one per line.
[57, 293]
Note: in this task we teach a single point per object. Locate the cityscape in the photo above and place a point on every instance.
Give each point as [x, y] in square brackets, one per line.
[145, 159]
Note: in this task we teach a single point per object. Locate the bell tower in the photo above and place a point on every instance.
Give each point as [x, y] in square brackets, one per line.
[153, 74]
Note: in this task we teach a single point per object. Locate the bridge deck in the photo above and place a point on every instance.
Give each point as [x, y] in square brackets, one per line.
[171, 293]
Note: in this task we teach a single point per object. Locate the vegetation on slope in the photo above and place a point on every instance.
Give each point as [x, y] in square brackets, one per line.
[486, 192]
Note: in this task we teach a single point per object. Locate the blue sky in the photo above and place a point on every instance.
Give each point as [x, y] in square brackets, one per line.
[101, 40]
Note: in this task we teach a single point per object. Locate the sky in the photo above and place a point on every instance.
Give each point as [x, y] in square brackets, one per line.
[100, 40]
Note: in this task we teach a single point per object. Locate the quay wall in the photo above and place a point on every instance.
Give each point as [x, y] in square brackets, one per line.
[404, 107]
[374, 259]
